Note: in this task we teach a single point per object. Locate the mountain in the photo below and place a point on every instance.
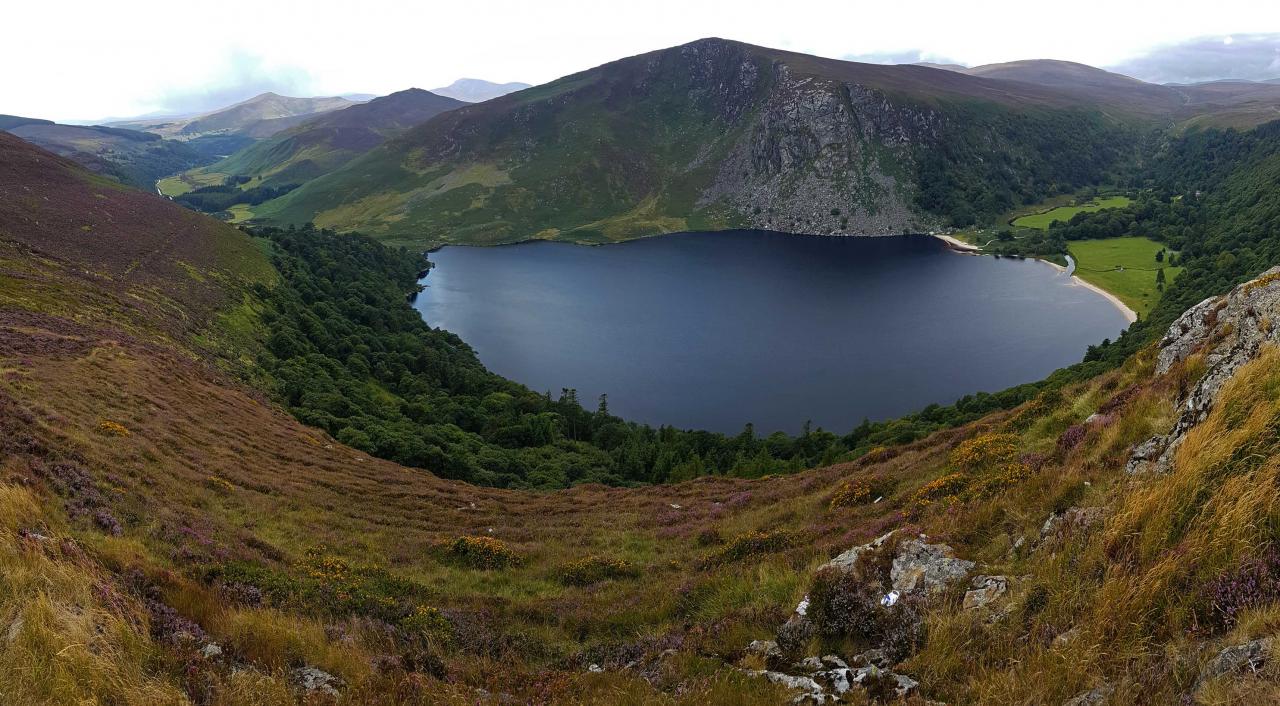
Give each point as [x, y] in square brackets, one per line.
[170, 533]
[1090, 84]
[134, 158]
[258, 117]
[475, 90]
[9, 122]
[324, 143]
[718, 134]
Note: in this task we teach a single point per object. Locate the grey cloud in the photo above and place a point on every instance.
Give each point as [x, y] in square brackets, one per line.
[1252, 57]
[243, 76]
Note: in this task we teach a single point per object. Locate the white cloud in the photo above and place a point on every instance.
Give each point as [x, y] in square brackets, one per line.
[86, 59]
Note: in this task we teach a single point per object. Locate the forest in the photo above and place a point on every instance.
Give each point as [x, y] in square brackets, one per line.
[348, 354]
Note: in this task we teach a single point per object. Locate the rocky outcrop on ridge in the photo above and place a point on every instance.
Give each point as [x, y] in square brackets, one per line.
[1230, 331]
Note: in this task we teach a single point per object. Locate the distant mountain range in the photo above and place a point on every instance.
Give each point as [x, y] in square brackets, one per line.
[1231, 103]
[260, 116]
[132, 157]
[720, 134]
[328, 141]
[475, 90]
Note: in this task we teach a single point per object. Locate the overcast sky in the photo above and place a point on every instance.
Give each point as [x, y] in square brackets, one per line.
[81, 60]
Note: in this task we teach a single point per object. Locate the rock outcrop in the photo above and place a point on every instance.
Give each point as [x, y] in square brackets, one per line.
[1230, 331]
[1250, 655]
[926, 568]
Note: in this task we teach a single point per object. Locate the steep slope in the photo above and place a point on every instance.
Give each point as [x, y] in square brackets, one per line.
[135, 158]
[324, 143]
[713, 134]
[476, 90]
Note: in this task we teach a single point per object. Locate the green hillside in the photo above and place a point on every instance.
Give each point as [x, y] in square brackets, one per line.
[719, 134]
[329, 141]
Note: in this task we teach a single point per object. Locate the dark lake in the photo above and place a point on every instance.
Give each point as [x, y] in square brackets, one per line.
[714, 330]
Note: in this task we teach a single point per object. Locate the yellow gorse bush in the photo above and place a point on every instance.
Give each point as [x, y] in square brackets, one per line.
[984, 451]
[113, 428]
[483, 553]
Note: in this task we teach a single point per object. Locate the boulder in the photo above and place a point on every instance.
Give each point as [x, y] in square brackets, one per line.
[1251, 655]
[905, 684]
[312, 680]
[984, 590]
[925, 568]
[768, 649]
[848, 559]
[811, 689]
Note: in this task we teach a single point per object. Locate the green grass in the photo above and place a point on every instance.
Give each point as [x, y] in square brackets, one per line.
[1042, 220]
[188, 181]
[1097, 262]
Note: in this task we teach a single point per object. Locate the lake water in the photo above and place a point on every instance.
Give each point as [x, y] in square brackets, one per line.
[714, 330]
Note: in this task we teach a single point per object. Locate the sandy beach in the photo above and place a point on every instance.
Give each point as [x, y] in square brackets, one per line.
[958, 244]
[1129, 314]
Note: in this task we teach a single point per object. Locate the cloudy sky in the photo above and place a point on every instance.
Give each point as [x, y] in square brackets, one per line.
[80, 60]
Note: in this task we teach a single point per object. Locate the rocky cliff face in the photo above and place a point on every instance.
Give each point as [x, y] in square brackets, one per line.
[1228, 331]
[825, 157]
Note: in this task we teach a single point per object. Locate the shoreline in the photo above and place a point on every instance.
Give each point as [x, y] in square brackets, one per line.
[962, 247]
[1129, 314]
[958, 244]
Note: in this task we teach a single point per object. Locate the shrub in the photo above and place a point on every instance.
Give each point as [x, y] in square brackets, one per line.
[111, 428]
[1000, 479]
[709, 537]
[755, 543]
[850, 493]
[861, 490]
[219, 485]
[594, 569]
[984, 451]
[429, 623]
[1253, 583]
[946, 489]
[1072, 437]
[844, 603]
[482, 553]
[793, 638]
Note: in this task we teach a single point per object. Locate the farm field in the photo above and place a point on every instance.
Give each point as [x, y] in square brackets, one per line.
[1134, 282]
[1042, 220]
[188, 181]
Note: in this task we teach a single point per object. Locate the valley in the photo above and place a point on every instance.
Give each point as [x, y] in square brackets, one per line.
[256, 450]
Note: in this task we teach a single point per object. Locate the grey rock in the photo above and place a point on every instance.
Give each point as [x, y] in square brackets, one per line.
[834, 662]
[812, 689]
[1251, 655]
[765, 648]
[905, 684]
[848, 559]
[872, 658]
[1230, 331]
[1092, 697]
[925, 568]
[984, 590]
[1074, 519]
[313, 680]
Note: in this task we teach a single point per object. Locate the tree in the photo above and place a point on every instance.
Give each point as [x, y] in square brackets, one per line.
[1160, 279]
